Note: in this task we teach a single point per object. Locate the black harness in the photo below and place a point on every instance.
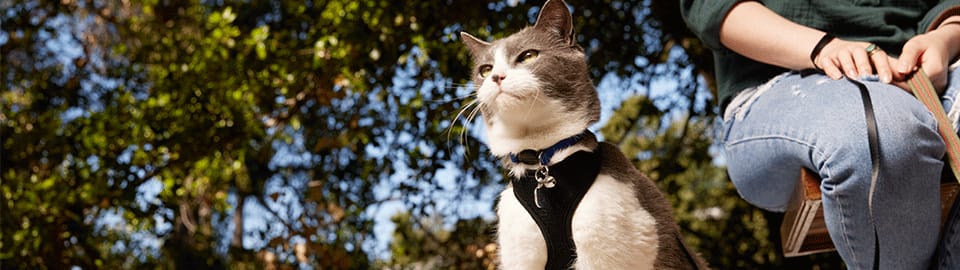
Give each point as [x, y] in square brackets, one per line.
[552, 206]
[551, 194]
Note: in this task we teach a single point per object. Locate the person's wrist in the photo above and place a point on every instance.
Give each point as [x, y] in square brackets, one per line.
[827, 38]
[950, 31]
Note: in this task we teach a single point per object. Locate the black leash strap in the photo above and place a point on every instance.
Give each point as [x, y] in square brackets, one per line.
[874, 141]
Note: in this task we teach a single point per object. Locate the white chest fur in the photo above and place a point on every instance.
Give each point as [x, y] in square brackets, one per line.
[610, 229]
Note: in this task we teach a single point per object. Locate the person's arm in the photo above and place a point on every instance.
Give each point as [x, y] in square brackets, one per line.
[952, 25]
[755, 31]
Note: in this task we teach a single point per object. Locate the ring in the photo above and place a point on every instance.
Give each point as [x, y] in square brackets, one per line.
[872, 49]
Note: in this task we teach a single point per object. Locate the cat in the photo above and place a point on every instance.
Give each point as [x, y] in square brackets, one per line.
[537, 101]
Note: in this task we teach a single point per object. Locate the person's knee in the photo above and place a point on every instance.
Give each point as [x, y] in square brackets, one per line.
[905, 129]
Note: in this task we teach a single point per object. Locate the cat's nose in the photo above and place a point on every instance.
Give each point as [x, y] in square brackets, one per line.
[497, 78]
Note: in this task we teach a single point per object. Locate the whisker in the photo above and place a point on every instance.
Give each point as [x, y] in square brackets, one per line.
[470, 118]
[456, 119]
[471, 107]
[473, 114]
[535, 97]
[462, 110]
[455, 98]
[455, 85]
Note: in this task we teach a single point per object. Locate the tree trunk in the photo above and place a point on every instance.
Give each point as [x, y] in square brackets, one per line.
[238, 222]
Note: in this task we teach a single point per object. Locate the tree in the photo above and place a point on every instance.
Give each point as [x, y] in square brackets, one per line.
[265, 134]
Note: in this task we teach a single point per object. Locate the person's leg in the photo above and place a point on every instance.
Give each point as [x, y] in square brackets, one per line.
[950, 97]
[948, 252]
[818, 123]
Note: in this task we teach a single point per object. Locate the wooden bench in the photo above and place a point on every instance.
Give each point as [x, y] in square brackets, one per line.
[803, 231]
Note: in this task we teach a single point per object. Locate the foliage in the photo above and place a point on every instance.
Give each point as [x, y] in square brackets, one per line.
[269, 134]
[425, 244]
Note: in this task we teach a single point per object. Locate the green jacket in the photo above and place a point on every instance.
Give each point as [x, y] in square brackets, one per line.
[887, 23]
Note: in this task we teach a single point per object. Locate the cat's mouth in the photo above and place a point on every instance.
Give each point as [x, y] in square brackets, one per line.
[499, 97]
[505, 93]
[505, 100]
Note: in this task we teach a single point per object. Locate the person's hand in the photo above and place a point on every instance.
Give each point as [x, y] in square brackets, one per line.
[851, 58]
[932, 52]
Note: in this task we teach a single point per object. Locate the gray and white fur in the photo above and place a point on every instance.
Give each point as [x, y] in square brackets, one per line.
[533, 90]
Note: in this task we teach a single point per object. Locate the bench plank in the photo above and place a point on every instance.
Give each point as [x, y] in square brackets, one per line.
[804, 232]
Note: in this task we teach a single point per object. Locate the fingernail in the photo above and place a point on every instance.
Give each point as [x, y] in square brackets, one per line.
[885, 78]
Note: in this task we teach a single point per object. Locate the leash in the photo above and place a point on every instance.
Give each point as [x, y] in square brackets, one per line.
[874, 140]
[924, 91]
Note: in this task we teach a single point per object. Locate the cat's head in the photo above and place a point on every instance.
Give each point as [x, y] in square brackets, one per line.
[533, 87]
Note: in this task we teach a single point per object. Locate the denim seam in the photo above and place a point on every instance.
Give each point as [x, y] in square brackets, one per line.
[840, 208]
[769, 137]
[816, 151]
[843, 228]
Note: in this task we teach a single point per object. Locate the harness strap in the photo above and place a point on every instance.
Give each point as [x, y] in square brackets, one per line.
[554, 216]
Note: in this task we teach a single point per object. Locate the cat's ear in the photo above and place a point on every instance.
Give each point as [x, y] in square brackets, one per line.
[475, 45]
[555, 17]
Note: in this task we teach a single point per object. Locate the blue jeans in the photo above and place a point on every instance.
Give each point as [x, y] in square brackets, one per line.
[814, 122]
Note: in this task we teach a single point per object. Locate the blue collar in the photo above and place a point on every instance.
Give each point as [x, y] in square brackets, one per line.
[530, 156]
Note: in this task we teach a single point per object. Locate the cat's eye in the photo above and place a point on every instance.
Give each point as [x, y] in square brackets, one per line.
[528, 56]
[485, 71]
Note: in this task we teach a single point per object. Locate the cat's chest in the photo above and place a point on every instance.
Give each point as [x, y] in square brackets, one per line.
[609, 222]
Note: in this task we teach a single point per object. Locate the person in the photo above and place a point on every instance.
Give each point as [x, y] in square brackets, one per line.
[779, 117]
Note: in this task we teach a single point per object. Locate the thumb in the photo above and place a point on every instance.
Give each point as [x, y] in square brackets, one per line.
[909, 56]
